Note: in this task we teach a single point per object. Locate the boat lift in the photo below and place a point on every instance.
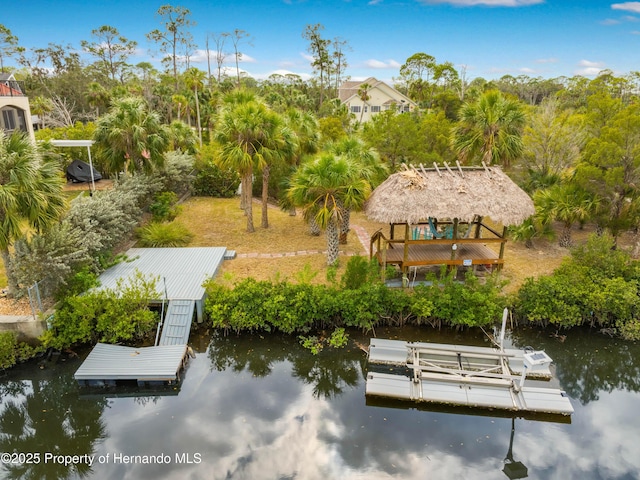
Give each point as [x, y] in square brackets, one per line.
[465, 375]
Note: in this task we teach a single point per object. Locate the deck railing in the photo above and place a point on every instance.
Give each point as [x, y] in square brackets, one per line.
[480, 234]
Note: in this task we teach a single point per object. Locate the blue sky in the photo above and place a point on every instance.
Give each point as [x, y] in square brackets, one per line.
[490, 38]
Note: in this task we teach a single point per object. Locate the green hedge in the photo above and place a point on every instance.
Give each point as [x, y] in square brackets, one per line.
[8, 346]
[110, 315]
[253, 305]
[598, 286]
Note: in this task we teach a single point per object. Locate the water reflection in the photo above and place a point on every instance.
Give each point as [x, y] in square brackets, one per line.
[265, 408]
[329, 372]
[42, 413]
[587, 362]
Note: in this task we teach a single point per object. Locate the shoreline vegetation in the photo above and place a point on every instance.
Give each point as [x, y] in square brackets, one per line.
[592, 285]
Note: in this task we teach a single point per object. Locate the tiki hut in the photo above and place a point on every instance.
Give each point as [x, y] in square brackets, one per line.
[444, 212]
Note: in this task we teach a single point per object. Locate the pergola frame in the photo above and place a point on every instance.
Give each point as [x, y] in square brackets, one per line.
[79, 143]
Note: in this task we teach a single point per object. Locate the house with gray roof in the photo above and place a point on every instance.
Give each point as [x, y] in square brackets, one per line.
[368, 97]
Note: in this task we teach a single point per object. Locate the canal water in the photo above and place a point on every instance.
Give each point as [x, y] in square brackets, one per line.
[263, 407]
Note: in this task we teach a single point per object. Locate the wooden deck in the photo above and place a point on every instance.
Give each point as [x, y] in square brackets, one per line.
[481, 245]
[431, 253]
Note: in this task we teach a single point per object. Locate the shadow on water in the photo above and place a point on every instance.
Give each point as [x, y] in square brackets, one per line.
[265, 405]
[42, 413]
[329, 372]
[587, 362]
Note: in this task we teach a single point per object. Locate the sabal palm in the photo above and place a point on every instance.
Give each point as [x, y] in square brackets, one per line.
[322, 187]
[370, 167]
[250, 135]
[490, 130]
[131, 137]
[566, 203]
[30, 191]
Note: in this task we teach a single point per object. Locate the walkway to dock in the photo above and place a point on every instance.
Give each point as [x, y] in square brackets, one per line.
[361, 234]
[177, 323]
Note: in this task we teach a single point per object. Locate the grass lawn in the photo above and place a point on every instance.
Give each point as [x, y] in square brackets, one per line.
[220, 222]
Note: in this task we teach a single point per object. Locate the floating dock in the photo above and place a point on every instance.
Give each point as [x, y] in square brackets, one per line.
[107, 365]
[464, 375]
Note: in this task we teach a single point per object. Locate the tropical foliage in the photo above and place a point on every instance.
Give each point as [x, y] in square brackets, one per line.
[131, 137]
[324, 188]
[30, 194]
[490, 130]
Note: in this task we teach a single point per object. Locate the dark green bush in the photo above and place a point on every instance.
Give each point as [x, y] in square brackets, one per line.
[212, 181]
[164, 208]
[597, 287]
[114, 315]
[298, 308]
[8, 344]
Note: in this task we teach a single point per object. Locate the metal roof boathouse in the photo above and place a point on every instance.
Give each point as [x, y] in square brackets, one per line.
[182, 273]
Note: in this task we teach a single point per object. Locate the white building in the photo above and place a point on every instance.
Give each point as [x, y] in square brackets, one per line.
[380, 97]
[15, 113]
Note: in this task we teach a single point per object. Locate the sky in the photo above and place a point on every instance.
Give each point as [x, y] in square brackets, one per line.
[486, 38]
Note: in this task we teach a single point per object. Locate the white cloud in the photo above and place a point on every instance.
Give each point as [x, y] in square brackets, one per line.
[547, 60]
[635, 32]
[527, 70]
[379, 64]
[609, 21]
[307, 57]
[200, 56]
[488, 3]
[627, 6]
[589, 68]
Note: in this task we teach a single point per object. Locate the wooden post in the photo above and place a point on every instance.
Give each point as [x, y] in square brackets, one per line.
[502, 245]
[384, 261]
[391, 230]
[478, 226]
[405, 255]
[454, 251]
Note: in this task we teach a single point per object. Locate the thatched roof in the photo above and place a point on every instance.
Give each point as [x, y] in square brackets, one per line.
[449, 192]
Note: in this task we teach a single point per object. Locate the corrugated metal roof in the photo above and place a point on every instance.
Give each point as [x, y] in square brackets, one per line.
[183, 269]
[116, 362]
[177, 323]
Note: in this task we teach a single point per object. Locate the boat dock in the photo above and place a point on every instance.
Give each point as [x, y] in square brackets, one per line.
[464, 375]
[107, 365]
[181, 272]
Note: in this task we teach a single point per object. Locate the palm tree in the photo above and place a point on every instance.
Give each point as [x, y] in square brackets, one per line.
[97, 96]
[322, 187]
[371, 169]
[41, 106]
[180, 102]
[566, 203]
[194, 79]
[363, 94]
[490, 130]
[251, 135]
[30, 194]
[182, 137]
[131, 137]
[305, 127]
